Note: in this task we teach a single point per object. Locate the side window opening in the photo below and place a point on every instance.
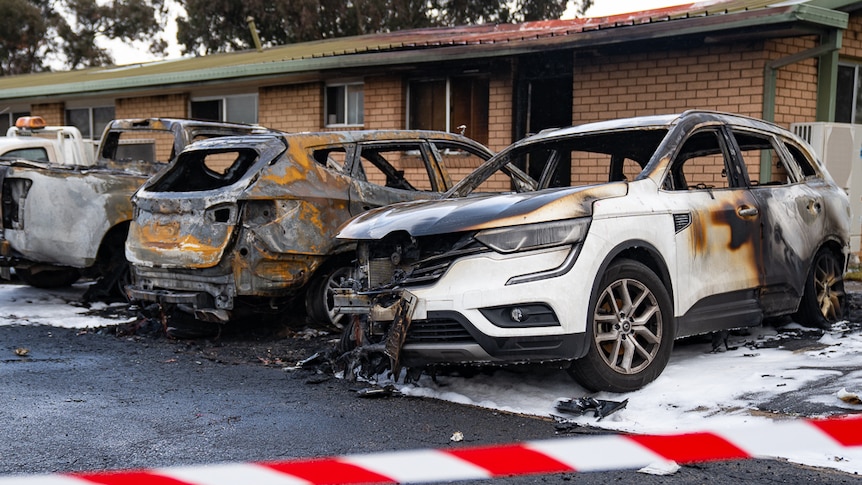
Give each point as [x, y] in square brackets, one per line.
[138, 146]
[202, 170]
[331, 158]
[398, 167]
[458, 161]
[589, 159]
[700, 164]
[33, 154]
[756, 150]
[806, 167]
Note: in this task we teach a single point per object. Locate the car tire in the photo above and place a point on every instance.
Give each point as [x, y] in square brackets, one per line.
[50, 278]
[631, 330]
[823, 299]
[319, 297]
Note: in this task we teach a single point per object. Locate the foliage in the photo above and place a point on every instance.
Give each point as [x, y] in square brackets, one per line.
[33, 31]
[22, 29]
[221, 25]
[38, 34]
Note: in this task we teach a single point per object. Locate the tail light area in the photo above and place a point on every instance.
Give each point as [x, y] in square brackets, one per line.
[14, 196]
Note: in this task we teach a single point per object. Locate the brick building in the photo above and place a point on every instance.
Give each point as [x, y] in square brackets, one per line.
[784, 61]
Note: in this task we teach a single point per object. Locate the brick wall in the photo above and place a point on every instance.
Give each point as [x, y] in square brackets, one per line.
[851, 42]
[295, 107]
[54, 113]
[725, 78]
[385, 103]
[164, 106]
[796, 84]
[500, 102]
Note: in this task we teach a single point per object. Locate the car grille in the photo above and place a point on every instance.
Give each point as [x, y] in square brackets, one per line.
[382, 273]
[437, 330]
[430, 269]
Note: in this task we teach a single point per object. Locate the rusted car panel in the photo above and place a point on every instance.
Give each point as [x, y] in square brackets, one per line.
[194, 231]
[267, 231]
[679, 225]
[62, 221]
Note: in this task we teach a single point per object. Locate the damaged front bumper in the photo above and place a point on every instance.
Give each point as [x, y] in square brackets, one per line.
[401, 326]
[398, 316]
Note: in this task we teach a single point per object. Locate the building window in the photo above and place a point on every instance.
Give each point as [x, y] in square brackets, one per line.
[345, 104]
[848, 104]
[448, 104]
[241, 108]
[90, 121]
[8, 120]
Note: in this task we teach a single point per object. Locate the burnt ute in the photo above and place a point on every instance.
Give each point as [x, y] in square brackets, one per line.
[240, 225]
[609, 241]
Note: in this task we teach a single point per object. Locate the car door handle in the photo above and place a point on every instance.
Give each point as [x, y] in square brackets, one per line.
[747, 211]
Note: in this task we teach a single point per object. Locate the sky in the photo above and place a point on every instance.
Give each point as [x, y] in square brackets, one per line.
[602, 8]
[698, 391]
[132, 53]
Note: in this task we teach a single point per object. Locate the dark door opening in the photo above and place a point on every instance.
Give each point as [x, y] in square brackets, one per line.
[544, 100]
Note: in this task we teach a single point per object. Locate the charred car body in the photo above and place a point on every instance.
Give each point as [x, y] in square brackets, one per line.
[62, 220]
[240, 225]
[684, 225]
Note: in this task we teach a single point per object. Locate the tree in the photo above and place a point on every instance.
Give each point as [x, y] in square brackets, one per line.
[220, 25]
[22, 31]
[32, 31]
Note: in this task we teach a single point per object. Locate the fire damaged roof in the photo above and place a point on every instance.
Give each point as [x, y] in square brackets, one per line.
[749, 18]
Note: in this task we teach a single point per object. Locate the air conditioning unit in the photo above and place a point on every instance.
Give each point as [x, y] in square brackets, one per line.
[839, 146]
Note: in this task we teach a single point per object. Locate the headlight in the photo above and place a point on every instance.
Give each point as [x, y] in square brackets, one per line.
[534, 236]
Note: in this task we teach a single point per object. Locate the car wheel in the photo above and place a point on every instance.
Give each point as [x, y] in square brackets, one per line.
[319, 298]
[631, 331]
[823, 299]
[50, 278]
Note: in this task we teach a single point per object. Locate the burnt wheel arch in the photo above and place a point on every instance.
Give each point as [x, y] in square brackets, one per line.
[631, 344]
[828, 257]
[112, 270]
[642, 252]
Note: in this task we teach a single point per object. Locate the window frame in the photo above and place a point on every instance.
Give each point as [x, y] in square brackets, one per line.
[448, 108]
[792, 169]
[736, 175]
[94, 130]
[855, 95]
[357, 169]
[223, 108]
[345, 92]
[11, 115]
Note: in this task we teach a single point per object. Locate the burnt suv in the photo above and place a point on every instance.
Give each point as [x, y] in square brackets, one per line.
[615, 239]
[241, 225]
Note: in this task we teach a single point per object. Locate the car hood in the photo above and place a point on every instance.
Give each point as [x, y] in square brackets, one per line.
[425, 218]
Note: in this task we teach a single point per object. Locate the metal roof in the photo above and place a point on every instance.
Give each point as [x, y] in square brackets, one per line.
[432, 45]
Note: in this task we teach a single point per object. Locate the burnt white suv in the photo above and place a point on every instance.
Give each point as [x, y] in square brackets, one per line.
[600, 245]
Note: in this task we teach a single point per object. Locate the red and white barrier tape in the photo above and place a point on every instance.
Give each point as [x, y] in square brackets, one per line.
[579, 454]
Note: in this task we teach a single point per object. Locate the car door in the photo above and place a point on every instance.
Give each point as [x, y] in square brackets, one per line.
[387, 173]
[717, 234]
[792, 216]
